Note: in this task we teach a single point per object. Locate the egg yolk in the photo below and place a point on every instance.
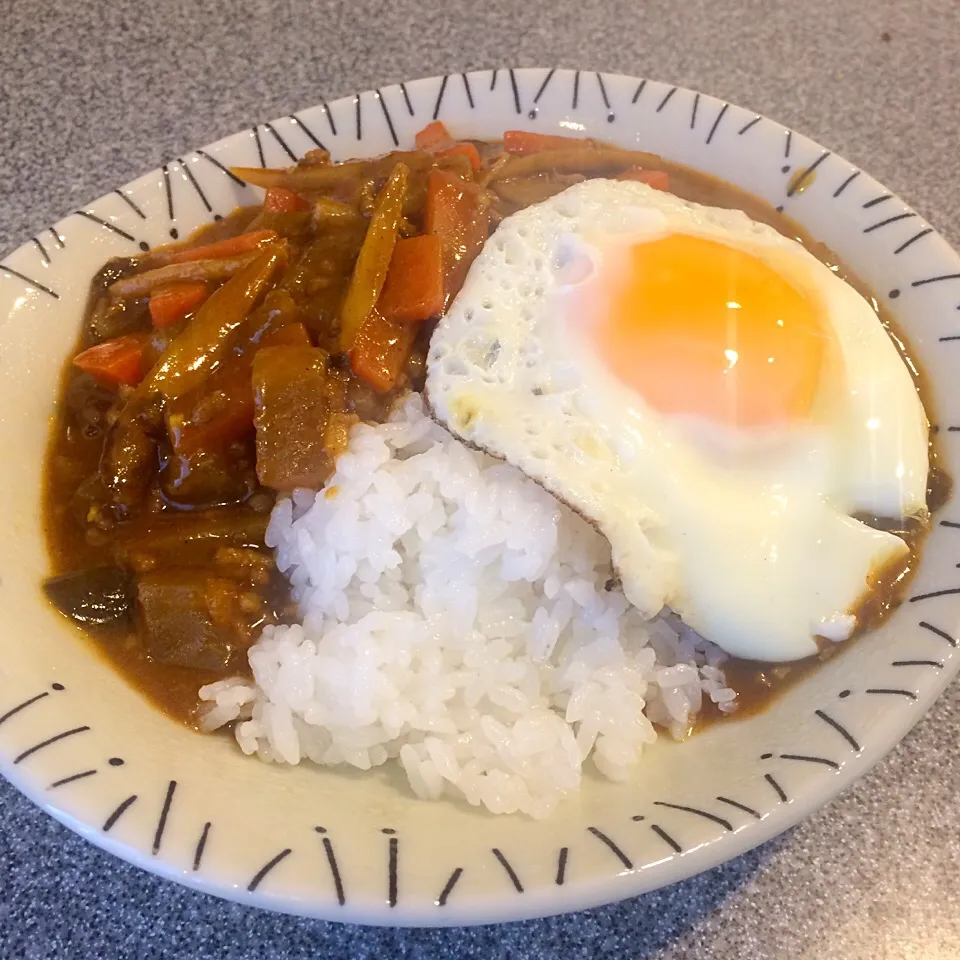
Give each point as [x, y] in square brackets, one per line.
[700, 328]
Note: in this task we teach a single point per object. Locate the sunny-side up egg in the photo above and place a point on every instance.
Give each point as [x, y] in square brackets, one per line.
[715, 400]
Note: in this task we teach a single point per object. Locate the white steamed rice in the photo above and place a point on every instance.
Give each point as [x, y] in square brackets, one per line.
[457, 619]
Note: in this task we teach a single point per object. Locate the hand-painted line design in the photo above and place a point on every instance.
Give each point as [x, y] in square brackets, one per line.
[493, 79]
[562, 866]
[358, 118]
[109, 823]
[543, 86]
[57, 239]
[638, 91]
[394, 850]
[467, 90]
[164, 813]
[201, 846]
[511, 873]
[940, 279]
[325, 107]
[883, 223]
[261, 159]
[13, 711]
[314, 139]
[803, 758]
[936, 631]
[888, 692]
[611, 116]
[223, 169]
[261, 874]
[666, 98]
[881, 199]
[37, 747]
[406, 98]
[188, 173]
[787, 145]
[666, 838]
[800, 183]
[776, 786]
[515, 88]
[846, 183]
[908, 243]
[749, 125]
[29, 281]
[106, 224]
[63, 781]
[440, 93]
[918, 663]
[283, 143]
[387, 117]
[842, 730]
[441, 901]
[693, 112]
[716, 123]
[129, 201]
[168, 190]
[934, 593]
[333, 865]
[576, 90]
[607, 842]
[726, 824]
[741, 806]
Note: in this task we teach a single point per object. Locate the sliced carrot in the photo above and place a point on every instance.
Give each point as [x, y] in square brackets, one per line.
[244, 243]
[524, 142]
[455, 216]
[169, 305]
[658, 179]
[380, 350]
[114, 361]
[282, 200]
[434, 137]
[413, 290]
[465, 149]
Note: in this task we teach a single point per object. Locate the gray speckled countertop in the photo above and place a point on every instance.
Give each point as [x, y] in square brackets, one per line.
[94, 94]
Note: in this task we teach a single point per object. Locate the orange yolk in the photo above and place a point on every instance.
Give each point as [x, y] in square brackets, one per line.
[700, 328]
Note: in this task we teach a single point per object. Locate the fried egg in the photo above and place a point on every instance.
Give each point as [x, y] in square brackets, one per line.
[717, 402]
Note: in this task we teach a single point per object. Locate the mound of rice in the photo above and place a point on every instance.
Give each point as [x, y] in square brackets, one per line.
[459, 620]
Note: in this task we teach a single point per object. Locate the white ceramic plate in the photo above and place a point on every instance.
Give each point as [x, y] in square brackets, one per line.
[87, 748]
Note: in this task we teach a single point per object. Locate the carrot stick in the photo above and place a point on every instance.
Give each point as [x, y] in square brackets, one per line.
[282, 200]
[434, 137]
[380, 350]
[413, 290]
[169, 305]
[114, 361]
[467, 150]
[235, 246]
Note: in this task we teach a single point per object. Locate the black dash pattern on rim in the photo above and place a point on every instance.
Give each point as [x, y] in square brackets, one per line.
[749, 125]
[939, 279]
[776, 787]
[164, 813]
[889, 220]
[804, 180]
[803, 758]
[110, 822]
[515, 88]
[543, 86]
[440, 93]
[13, 711]
[283, 143]
[575, 102]
[636, 93]
[406, 98]
[839, 727]
[562, 866]
[358, 100]
[918, 663]
[311, 136]
[448, 887]
[846, 183]
[334, 870]
[201, 846]
[936, 631]
[788, 144]
[63, 781]
[611, 116]
[705, 814]
[131, 204]
[392, 857]
[188, 173]
[493, 79]
[256, 136]
[935, 593]
[107, 225]
[37, 747]
[666, 99]
[740, 806]
[511, 873]
[610, 845]
[693, 112]
[666, 838]
[388, 118]
[329, 115]
[262, 873]
[881, 199]
[29, 281]
[716, 123]
[57, 239]
[168, 191]
[223, 169]
[891, 692]
[467, 90]
[909, 243]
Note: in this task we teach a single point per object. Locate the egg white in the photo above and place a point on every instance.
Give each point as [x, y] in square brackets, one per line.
[755, 547]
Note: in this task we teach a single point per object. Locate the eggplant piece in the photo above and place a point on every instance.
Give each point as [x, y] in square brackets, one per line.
[177, 622]
[128, 462]
[92, 597]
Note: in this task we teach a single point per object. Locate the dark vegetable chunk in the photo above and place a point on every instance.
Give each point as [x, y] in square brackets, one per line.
[92, 597]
